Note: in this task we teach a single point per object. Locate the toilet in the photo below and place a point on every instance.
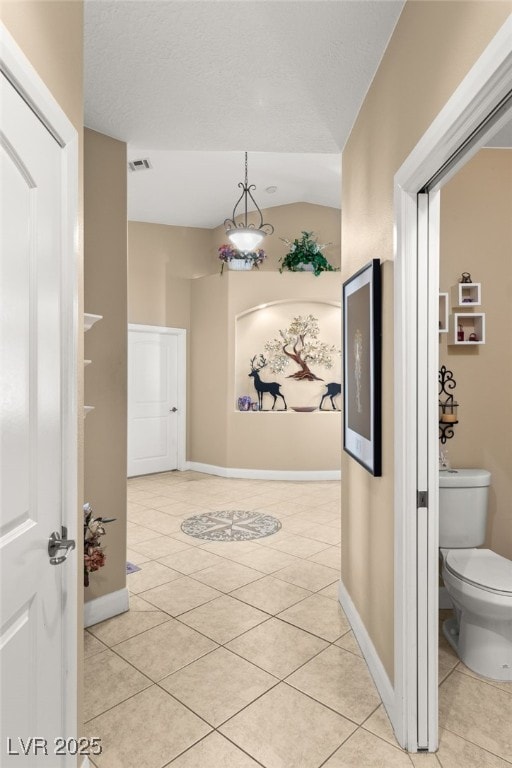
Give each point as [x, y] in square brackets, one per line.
[478, 581]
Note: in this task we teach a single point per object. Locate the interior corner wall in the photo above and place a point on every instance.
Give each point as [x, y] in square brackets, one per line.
[208, 371]
[412, 84]
[476, 237]
[174, 280]
[105, 282]
[161, 262]
[50, 35]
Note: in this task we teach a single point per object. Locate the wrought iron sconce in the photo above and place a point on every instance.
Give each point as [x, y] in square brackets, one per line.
[447, 405]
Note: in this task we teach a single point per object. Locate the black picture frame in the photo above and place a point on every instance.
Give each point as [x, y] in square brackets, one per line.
[362, 343]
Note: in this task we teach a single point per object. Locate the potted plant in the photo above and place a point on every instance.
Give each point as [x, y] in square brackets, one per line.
[240, 260]
[305, 255]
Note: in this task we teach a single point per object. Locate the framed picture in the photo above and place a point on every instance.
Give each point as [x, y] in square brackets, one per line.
[362, 367]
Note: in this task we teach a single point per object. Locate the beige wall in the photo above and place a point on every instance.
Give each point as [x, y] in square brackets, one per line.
[161, 262]
[51, 37]
[414, 81]
[162, 259]
[105, 262]
[223, 436]
[168, 285]
[476, 237]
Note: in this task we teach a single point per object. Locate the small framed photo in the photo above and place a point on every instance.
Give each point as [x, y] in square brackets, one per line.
[362, 367]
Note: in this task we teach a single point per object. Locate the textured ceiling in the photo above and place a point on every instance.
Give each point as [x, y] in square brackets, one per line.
[267, 76]
[199, 189]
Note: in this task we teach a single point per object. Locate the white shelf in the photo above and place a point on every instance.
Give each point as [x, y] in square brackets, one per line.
[470, 323]
[89, 320]
[443, 313]
[467, 295]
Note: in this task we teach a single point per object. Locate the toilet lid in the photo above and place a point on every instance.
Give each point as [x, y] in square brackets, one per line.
[483, 568]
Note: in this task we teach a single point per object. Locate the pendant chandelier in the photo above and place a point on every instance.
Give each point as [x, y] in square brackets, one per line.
[244, 235]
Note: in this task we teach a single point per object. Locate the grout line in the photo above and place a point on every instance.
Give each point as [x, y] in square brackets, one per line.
[475, 744]
[256, 487]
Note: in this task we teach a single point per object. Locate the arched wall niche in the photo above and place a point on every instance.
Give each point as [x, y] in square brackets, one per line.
[260, 324]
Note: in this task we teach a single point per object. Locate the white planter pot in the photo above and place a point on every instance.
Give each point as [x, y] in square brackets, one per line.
[305, 267]
[240, 264]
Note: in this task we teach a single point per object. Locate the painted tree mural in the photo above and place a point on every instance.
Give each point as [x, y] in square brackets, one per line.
[300, 344]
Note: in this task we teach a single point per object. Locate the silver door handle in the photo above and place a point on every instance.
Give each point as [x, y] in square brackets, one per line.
[58, 542]
[173, 409]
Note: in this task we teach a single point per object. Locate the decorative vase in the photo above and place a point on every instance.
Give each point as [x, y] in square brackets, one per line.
[244, 403]
[240, 264]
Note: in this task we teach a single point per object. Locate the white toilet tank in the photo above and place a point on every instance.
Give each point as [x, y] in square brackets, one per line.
[463, 507]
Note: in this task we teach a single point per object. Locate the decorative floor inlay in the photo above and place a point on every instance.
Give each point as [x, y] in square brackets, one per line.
[230, 525]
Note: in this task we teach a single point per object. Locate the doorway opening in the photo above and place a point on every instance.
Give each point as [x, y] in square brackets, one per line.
[455, 136]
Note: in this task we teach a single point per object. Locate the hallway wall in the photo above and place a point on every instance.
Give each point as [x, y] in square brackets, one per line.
[161, 262]
[223, 436]
[174, 279]
[105, 261]
[433, 47]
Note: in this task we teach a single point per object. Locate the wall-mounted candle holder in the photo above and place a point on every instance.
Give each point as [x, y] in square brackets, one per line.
[447, 405]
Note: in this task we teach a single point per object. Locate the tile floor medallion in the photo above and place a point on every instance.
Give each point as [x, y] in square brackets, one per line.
[231, 525]
[236, 653]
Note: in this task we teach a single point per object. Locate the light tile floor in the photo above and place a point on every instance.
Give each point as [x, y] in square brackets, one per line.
[238, 655]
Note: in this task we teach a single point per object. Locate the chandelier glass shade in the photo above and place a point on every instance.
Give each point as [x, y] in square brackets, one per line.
[245, 235]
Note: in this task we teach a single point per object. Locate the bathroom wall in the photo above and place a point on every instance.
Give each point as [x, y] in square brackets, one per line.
[476, 237]
[433, 47]
[50, 35]
[105, 281]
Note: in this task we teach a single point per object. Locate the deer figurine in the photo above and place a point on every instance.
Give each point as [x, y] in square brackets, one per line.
[272, 387]
[333, 389]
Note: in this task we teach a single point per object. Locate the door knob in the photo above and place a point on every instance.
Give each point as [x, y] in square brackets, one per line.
[58, 542]
[173, 409]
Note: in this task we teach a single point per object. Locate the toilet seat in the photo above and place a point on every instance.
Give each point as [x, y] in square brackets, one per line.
[482, 568]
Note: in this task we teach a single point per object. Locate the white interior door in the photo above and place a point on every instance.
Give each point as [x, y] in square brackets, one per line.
[38, 599]
[155, 401]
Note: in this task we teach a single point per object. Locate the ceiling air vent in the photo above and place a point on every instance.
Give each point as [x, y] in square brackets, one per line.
[139, 165]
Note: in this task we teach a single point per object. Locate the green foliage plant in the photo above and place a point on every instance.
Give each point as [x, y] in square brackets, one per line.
[305, 250]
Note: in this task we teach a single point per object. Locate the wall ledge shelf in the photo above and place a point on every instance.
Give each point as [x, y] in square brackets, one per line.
[89, 320]
[467, 324]
[467, 295]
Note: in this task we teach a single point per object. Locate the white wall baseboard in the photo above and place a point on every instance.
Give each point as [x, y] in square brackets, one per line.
[264, 474]
[377, 671]
[101, 608]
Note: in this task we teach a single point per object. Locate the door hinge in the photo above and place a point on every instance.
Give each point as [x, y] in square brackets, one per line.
[422, 499]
